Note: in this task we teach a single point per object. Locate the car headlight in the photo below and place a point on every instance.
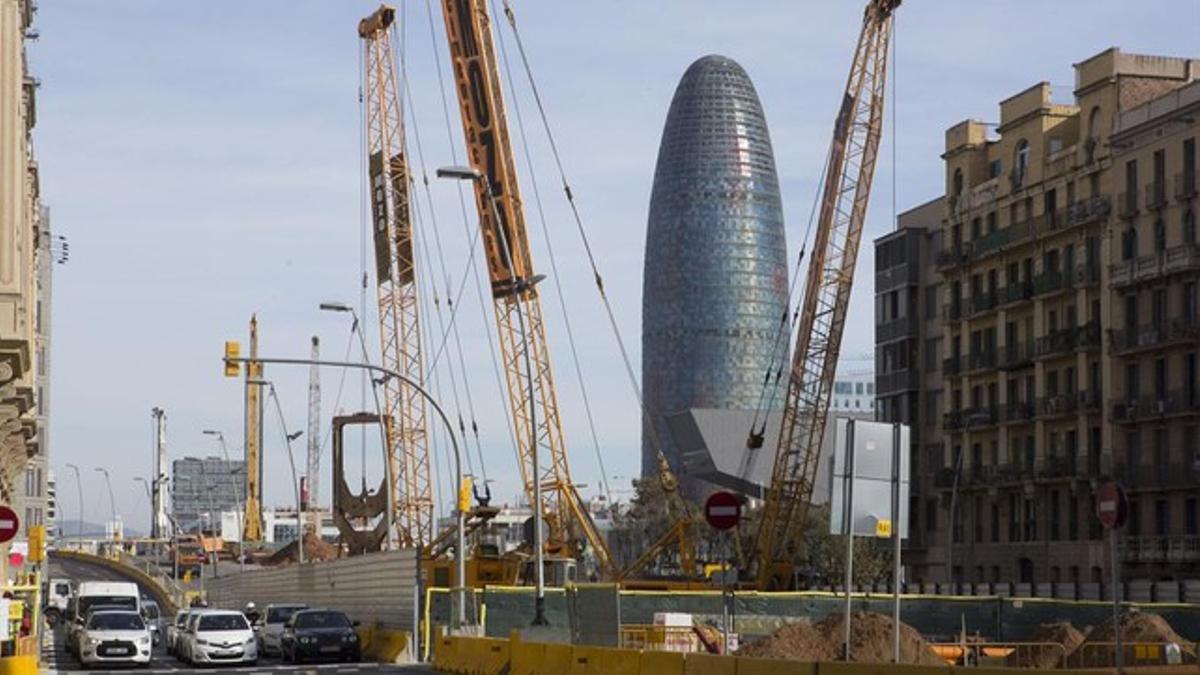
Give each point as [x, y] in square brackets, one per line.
[249, 641]
[350, 638]
[93, 641]
[201, 641]
[305, 640]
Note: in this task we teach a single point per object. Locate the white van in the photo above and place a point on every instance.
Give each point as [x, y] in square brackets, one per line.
[95, 594]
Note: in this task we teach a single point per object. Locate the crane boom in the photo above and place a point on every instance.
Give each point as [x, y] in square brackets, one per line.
[530, 384]
[851, 166]
[313, 466]
[404, 414]
[253, 522]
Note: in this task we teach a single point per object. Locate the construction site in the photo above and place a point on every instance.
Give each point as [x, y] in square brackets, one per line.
[974, 500]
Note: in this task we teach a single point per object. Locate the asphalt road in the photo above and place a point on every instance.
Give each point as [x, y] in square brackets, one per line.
[56, 659]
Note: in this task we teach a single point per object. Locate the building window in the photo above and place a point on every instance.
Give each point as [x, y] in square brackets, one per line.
[1020, 163]
[958, 184]
[1160, 236]
[1072, 518]
[1129, 244]
[1054, 514]
[995, 168]
[1162, 517]
[1189, 227]
[1190, 526]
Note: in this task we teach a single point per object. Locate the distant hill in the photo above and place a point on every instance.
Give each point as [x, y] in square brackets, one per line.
[70, 529]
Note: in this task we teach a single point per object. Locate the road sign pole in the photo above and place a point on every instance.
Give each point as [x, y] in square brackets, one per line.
[896, 534]
[1116, 593]
[848, 517]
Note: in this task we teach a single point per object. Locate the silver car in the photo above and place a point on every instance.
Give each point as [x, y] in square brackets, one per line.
[270, 626]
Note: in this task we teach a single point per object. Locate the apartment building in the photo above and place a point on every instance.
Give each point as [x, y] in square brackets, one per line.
[1154, 332]
[20, 213]
[908, 364]
[1032, 386]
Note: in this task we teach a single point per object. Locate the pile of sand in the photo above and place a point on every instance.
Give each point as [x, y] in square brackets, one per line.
[1141, 627]
[1058, 632]
[870, 641]
[315, 549]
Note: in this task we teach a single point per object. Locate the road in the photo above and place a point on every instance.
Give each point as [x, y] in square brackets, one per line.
[56, 659]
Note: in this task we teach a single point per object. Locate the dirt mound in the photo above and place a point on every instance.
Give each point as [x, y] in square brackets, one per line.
[1141, 627]
[1058, 632]
[870, 641]
[315, 549]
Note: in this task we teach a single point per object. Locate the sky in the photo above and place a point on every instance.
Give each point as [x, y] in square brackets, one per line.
[204, 160]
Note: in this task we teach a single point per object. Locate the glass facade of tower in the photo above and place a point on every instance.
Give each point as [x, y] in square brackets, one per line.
[715, 282]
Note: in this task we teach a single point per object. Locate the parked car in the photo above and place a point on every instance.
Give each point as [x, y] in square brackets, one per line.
[270, 626]
[219, 636]
[312, 634]
[114, 636]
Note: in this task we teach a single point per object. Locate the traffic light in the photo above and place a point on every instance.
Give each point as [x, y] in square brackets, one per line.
[233, 349]
[37, 543]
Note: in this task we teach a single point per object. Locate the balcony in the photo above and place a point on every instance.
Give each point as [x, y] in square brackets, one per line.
[896, 276]
[1182, 258]
[1090, 401]
[952, 366]
[953, 420]
[1049, 282]
[944, 478]
[1056, 342]
[954, 254]
[1127, 206]
[1154, 336]
[1086, 275]
[969, 418]
[992, 241]
[1058, 466]
[1161, 549]
[1057, 405]
[1087, 336]
[984, 302]
[1016, 292]
[1015, 356]
[1185, 185]
[902, 380]
[1018, 412]
[953, 310]
[1087, 210]
[905, 326]
[1156, 195]
[1143, 408]
[982, 360]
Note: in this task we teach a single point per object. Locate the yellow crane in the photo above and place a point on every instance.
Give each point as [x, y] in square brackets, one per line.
[525, 355]
[404, 411]
[847, 187]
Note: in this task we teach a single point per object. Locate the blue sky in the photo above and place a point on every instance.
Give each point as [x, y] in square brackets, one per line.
[204, 161]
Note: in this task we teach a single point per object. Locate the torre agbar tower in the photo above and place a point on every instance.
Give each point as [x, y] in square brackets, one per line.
[715, 282]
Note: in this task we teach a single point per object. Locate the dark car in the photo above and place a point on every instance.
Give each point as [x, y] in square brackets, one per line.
[313, 634]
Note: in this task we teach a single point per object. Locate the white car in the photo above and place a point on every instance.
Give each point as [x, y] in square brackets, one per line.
[219, 636]
[116, 636]
[175, 629]
[270, 626]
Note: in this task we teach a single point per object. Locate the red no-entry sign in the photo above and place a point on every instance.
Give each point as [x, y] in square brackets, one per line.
[9, 524]
[722, 510]
[1112, 508]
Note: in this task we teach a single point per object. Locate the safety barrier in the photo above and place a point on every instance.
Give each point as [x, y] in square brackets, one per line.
[385, 645]
[514, 656]
[659, 638]
[1005, 654]
[165, 597]
[1103, 654]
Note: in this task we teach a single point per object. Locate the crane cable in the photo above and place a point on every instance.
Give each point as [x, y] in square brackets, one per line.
[647, 417]
[472, 240]
[420, 226]
[562, 301]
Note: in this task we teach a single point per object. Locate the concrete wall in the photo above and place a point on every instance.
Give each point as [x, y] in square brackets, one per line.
[378, 587]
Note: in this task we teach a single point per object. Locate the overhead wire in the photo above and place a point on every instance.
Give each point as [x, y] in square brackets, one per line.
[562, 302]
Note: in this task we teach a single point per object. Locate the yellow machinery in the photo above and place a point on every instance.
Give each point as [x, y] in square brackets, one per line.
[404, 411]
[524, 351]
[253, 525]
[847, 187]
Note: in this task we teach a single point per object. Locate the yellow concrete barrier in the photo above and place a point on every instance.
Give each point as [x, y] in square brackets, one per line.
[752, 666]
[18, 665]
[709, 664]
[885, 669]
[493, 655]
[660, 663]
[526, 658]
[383, 644]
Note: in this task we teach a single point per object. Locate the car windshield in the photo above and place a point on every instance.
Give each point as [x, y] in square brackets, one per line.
[151, 611]
[281, 614]
[322, 620]
[116, 621]
[221, 622]
[122, 601]
[62, 589]
[181, 619]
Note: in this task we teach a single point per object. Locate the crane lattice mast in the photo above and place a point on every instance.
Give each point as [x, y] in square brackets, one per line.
[844, 199]
[313, 468]
[524, 349]
[396, 283]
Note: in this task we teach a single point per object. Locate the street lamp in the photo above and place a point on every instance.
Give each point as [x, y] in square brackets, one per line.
[356, 327]
[79, 484]
[518, 286]
[112, 502]
[460, 560]
[240, 497]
